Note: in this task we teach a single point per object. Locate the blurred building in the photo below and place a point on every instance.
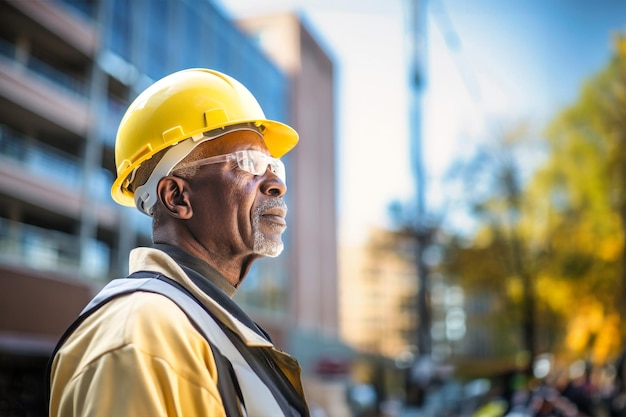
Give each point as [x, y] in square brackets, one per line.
[68, 69]
[291, 43]
[378, 293]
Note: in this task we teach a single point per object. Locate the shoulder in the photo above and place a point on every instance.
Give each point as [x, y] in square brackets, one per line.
[147, 323]
[138, 349]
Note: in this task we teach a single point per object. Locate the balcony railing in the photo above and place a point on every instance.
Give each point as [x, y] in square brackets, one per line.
[51, 250]
[41, 69]
[51, 163]
[57, 77]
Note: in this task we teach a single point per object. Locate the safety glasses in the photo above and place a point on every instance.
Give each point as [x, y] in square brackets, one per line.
[254, 162]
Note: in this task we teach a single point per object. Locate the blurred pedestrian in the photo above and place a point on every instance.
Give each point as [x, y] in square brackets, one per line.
[578, 388]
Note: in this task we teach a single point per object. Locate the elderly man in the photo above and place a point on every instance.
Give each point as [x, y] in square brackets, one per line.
[195, 152]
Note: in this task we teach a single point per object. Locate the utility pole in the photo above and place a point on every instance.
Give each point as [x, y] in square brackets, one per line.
[422, 228]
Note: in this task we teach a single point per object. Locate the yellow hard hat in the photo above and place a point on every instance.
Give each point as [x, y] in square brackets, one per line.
[187, 107]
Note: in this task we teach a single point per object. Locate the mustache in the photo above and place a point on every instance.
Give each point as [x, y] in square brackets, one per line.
[269, 204]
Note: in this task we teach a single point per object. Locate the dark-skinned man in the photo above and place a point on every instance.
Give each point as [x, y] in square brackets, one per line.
[195, 152]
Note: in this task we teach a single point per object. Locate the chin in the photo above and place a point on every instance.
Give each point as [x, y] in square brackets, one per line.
[267, 247]
[271, 252]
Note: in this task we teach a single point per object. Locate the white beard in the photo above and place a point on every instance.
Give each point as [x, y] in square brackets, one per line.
[262, 245]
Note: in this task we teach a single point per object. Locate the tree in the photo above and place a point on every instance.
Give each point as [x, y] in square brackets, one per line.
[554, 242]
[583, 185]
[500, 257]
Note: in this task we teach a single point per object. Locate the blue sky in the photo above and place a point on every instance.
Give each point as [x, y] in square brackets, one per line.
[528, 59]
[512, 60]
[550, 45]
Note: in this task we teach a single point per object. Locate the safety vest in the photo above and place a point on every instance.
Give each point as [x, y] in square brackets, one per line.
[232, 358]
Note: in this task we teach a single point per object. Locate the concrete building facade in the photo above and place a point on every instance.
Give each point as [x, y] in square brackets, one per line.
[68, 69]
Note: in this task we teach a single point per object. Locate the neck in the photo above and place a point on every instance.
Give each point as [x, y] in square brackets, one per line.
[231, 266]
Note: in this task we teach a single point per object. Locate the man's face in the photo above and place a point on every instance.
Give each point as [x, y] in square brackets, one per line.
[236, 212]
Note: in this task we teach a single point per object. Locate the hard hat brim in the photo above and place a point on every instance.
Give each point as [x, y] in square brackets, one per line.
[278, 137]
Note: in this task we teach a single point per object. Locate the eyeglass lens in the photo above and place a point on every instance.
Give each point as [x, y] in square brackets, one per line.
[256, 163]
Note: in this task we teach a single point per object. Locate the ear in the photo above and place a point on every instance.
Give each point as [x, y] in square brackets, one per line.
[173, 193]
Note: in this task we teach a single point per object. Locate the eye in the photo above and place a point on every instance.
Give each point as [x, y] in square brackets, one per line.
[254, 163]
[260, 165]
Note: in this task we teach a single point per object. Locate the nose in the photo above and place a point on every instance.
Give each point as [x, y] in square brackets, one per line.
[273, 185]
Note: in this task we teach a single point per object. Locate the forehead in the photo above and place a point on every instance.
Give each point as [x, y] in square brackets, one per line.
[231, 142]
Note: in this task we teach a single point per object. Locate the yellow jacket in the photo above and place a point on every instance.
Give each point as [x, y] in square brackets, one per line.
[139, 355]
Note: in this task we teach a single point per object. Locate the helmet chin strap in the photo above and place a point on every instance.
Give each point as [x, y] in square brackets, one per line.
[146, 194]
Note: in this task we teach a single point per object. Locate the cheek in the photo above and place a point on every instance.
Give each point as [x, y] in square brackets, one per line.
[244, 195]
[234, 200]
[230, 202]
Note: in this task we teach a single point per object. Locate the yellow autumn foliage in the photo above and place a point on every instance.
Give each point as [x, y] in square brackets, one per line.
[592, 331]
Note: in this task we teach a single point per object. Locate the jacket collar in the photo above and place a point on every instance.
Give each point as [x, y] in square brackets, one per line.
[151, 259]
[203, 269]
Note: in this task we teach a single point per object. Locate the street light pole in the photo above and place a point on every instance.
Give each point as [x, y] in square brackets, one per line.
[422, 229]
